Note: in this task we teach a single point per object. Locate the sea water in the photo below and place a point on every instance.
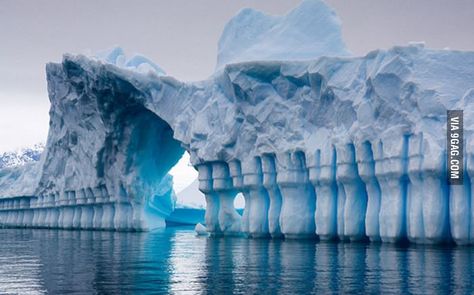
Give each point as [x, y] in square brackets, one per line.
[175, 261]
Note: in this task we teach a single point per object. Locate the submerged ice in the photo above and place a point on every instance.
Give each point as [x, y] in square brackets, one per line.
[338, 147]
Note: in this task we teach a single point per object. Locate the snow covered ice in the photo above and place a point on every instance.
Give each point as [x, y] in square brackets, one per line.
[319, 143]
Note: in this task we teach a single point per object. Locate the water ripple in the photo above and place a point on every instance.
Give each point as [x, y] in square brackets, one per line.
[175, 261]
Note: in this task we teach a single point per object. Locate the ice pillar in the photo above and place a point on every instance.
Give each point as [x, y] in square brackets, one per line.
[355, 204]
[212, 200]
[298, 200]
[78, 200]
[87, 216]
[53, 217]
[229, 219]
[461, 205]
[69, 202]
[322, 174]
[366, 166]
[238, 183]
[270, 184]
[28, 215]
[259, 200]
[391, 172]
[435, 191]
[108, 209]
[415, 196]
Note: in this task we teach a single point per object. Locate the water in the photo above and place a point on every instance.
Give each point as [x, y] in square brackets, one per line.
[176, 261]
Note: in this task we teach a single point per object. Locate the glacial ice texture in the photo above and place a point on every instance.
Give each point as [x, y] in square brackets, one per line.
[347, 148]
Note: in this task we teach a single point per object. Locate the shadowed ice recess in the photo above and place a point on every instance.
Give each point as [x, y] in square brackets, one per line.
[320, 143]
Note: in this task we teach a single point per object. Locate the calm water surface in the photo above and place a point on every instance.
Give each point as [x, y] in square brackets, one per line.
[176, 261]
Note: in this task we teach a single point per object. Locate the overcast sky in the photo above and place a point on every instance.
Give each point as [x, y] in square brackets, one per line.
[181, 36]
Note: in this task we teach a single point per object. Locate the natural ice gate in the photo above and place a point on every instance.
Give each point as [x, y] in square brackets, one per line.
[339, 147]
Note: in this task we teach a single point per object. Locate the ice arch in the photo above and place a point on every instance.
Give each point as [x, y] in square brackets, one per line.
[107, 159]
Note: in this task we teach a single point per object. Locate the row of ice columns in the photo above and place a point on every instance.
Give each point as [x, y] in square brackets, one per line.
[384, 190]
[220, 182]
[89, 208]
[15, 211]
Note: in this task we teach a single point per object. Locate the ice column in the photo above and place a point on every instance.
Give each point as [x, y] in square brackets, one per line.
[415, 196]
[355, 204]
[52, 221]
[238, 183]
[69, 210]
[322, 174]
[14, 213]
[42, 203]
[123, 214]
[298, 200]
[229, 219]
[270, 184]
[79, 199]
[212, 200]
[28, 215]
[366, 166]
[34, 206]
[87, 216]
[108, 209]
[98, 210]
[391, 172]
[462, 211]
[61, 209]
[11, 213]
[259, 200]
[435, 191]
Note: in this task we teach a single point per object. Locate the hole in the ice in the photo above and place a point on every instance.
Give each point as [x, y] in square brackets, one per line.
[239, 203]
[186, 185]
[190, 201]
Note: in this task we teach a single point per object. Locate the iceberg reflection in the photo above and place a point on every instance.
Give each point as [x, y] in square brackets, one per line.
[175, 261]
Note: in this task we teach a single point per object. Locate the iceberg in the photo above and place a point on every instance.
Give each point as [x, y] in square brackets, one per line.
[200, 230]
[309, 31]
[328, 145]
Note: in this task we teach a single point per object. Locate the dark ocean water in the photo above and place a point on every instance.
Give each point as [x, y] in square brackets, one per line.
[175, 261]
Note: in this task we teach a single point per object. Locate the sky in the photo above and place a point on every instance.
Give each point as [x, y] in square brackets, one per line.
[181, 36]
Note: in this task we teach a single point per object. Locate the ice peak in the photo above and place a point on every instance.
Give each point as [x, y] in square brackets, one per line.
[137, 62]
[309, 31]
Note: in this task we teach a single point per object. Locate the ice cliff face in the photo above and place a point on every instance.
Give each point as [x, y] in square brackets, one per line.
[339, 147]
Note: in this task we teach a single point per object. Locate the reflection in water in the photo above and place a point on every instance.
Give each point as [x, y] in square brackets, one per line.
[175, 261]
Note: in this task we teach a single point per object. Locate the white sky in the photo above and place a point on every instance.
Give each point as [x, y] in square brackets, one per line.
[183, 174]
[181, 36]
